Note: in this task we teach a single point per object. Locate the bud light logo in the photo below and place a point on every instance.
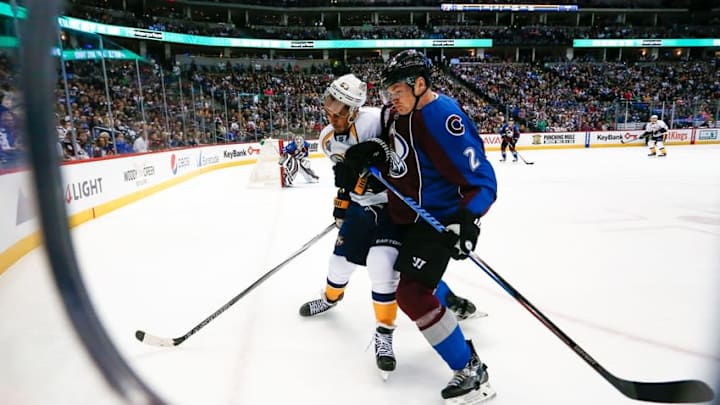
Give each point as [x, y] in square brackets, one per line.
[83, 189]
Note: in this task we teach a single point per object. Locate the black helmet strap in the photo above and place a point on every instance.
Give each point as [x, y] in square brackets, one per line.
[417, 96]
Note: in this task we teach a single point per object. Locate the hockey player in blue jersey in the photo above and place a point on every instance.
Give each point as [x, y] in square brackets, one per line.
[431, 152]
[295, 158]
[510, 133]
[366, 236]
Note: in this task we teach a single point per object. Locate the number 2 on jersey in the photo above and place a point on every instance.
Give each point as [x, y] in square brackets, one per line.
[472, 158]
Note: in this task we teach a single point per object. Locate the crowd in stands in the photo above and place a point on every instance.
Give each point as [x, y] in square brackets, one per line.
[12, 139]
[238, 103]
[556, 35]
[597, 96]
[231, 104]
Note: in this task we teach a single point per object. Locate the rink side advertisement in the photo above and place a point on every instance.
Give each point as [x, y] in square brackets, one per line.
[594, 139]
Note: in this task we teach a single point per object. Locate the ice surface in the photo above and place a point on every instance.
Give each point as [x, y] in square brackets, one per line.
[618, 249]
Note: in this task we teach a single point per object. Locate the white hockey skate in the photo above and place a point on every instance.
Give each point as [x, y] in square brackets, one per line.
[318, 306]
[470, 385]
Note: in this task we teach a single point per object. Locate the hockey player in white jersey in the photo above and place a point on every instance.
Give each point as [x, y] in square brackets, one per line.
[366, 237]
[294, 159]
[656, 131]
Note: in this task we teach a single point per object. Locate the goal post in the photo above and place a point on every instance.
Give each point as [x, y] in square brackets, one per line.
[267, 171]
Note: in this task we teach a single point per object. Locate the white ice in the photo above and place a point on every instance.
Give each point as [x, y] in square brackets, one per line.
[619, 250]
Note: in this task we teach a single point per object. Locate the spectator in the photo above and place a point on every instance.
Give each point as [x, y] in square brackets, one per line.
[140, 144]
[72, 150]
[102, 146]
[120, 145]
[84, 142]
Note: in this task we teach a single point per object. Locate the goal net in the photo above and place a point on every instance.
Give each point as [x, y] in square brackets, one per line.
[267, 171]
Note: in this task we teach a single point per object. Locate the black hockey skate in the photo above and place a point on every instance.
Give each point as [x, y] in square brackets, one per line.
[318, 306]
[384, 355]
[470, 385]
[462, 307]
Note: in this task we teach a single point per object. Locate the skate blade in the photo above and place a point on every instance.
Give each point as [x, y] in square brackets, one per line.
[474, 315]
[385, 375]
[478, 396]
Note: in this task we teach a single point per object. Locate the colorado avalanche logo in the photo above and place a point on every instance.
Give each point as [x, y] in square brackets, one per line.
[398, 168]
[454, 125]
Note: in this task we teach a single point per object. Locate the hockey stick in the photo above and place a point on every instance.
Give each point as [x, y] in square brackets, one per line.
[513, 149]
[639, 138]
[166, 342]
[523, 159]
[671, 391]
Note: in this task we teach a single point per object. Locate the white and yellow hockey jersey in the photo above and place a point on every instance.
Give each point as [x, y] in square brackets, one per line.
[366, 126]
[656, 128]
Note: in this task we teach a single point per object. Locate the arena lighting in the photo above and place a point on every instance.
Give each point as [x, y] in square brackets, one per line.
[200, 40]
[545, 8]
[646, 43]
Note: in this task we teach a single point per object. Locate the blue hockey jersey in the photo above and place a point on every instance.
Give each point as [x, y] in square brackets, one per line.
[438, 159]
[292, 149]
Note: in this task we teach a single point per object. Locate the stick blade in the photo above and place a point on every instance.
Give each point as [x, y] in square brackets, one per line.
[154, 340]
[673, 392]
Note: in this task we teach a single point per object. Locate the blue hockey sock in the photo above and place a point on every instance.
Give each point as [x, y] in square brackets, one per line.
[441, 292]
[454, 350]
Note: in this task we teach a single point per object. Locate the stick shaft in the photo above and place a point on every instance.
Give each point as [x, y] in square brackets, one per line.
[158, 341]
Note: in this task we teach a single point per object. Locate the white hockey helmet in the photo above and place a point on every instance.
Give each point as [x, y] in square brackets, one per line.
[348, 90]
[299, 141]
[653, 117]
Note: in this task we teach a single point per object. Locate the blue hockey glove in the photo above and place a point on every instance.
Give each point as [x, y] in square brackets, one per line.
[464, 229]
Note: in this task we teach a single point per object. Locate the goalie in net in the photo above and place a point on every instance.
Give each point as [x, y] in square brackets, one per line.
[295, 159]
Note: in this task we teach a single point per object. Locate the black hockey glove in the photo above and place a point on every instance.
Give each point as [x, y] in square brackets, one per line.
[464, 229]
[342, 202]
[373, 152]
[344, 176]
